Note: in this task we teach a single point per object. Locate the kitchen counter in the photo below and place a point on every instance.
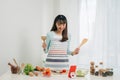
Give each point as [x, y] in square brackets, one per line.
[9, 76]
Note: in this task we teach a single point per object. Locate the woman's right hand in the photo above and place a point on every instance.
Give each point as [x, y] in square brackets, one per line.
[44, 45]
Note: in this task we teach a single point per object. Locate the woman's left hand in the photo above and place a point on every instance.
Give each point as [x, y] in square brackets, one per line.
[76, 51]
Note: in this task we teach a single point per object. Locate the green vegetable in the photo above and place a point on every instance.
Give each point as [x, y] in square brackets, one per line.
[80, 73]
[28, 68]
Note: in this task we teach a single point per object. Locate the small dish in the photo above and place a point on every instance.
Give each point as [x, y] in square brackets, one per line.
[81, 72]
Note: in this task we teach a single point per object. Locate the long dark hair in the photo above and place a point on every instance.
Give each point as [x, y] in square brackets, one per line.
[62, 20]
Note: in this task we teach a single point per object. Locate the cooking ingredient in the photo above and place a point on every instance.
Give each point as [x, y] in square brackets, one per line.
[63, 71]
[36, 73]
[38, 68]
[80, 73]
[47, 72]
[31, 74]
[28, 68]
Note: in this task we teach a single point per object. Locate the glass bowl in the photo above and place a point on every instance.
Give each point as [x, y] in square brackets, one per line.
[81, 72]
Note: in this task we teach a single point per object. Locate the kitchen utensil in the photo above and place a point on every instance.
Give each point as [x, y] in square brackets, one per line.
[83, 42]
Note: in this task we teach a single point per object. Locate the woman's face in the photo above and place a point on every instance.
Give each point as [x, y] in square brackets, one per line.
[60, 27]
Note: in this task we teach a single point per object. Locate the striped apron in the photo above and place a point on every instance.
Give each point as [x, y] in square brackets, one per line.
[57, 57]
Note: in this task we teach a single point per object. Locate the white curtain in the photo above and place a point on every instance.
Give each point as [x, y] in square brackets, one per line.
[99, 22]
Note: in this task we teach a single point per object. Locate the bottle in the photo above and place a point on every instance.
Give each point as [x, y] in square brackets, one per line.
[92, 68]
[96, 70]
[101, 65]
[109, 71]
[100, 68]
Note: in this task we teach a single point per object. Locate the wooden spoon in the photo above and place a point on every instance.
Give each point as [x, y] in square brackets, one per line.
[43, 38]
[83, 42]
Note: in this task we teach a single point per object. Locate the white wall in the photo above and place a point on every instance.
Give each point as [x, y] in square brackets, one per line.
[22, 22]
